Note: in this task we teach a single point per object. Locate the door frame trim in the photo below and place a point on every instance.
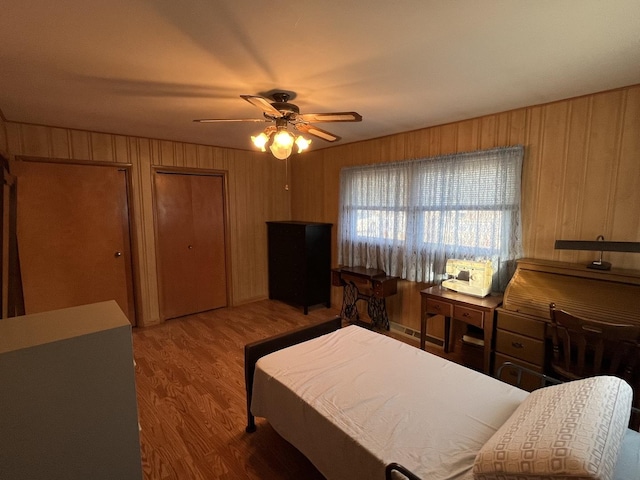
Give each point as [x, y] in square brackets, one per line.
[134, 261]
[157, 169]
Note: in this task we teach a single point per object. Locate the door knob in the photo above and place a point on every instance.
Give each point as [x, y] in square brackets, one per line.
[117, 254]
[190, 247]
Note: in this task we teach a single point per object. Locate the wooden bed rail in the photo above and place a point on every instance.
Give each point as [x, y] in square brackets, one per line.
[254, 351]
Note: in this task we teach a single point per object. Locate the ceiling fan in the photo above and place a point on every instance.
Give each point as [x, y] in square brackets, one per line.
[283, 114]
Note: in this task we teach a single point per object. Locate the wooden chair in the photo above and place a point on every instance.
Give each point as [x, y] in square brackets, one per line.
[584, 347]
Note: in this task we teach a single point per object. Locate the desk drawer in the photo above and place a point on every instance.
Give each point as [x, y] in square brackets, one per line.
[469, 315]
[521, 347]
[385, 288]
[517, 323]
[436, 307]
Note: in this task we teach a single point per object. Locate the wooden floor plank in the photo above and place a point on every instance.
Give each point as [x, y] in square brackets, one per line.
[191, 399]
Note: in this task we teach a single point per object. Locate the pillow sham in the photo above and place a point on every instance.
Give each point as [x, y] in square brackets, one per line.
[573, 430]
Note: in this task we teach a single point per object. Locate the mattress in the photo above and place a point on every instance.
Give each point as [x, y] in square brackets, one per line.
[353, 401]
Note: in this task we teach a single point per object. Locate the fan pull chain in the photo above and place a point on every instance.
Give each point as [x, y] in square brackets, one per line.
[286, 173]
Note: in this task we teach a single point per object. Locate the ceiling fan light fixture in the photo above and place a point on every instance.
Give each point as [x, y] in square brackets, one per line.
[302, 143]
[280, 152]
[282, 144]
[279, 110]
[260, 141]
[283, 139]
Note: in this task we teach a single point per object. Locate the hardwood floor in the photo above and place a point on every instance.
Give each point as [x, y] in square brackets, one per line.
[191, 396]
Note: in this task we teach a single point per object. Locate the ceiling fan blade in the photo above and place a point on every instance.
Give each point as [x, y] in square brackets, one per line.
[331, 117]
[263, 104]
[214, 120]
[317, 132]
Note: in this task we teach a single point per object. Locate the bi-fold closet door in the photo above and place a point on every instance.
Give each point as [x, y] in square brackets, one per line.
[190, 239]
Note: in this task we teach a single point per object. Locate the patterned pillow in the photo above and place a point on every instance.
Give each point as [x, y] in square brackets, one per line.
[573, 430]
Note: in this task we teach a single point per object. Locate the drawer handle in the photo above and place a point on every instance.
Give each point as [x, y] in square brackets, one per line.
[466, 314]
[437, 307]
[517, 345]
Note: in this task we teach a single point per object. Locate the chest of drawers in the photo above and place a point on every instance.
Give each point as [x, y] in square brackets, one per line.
[519, 340]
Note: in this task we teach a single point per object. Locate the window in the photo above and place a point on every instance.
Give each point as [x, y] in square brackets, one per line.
[407, 218]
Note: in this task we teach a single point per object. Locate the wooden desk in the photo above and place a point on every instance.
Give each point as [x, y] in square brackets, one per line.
[521, 322]
[367, 284]
[476, 311]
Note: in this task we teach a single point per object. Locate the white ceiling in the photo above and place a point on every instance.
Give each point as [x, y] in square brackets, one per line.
[148, 67]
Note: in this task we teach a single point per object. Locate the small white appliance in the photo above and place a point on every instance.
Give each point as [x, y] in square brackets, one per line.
[468, 276]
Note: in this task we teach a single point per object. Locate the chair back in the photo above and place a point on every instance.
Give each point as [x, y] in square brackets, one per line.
[584, 347]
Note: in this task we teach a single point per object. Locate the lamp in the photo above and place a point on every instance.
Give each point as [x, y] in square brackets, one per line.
[281, 144]
[260, 141]
[598, 245]
[281, 140]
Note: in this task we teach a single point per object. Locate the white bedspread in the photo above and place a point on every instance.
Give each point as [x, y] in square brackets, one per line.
[353, 401]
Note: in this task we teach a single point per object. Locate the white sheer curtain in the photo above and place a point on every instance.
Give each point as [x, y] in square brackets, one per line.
[407, 218]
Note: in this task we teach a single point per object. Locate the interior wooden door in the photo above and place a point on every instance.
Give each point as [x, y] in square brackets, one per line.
[191, 252]
[73, 235]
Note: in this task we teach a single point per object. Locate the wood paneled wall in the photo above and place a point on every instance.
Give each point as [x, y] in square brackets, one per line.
[256, 194]
[581, 175]
[580, 180]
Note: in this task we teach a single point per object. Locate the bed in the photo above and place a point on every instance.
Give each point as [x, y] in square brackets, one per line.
[358, 403]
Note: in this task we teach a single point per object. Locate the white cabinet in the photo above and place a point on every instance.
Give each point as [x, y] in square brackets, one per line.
[68, 405]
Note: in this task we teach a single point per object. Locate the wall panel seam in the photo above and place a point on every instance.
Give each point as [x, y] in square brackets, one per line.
[585, 170]
[565, 160]
[618, 158]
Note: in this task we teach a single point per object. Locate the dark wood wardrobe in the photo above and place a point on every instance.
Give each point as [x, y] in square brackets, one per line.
[300, 262]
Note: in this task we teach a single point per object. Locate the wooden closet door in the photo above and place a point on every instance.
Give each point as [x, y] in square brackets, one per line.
[191, 243]
[73, 235]
[208, 224]
[175, 240]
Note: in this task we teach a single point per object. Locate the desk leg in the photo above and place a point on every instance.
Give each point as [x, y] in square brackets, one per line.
[447, 335]
[423, 332]
[488, 340]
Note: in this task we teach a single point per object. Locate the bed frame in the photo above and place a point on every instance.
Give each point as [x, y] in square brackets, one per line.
[254, 351]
